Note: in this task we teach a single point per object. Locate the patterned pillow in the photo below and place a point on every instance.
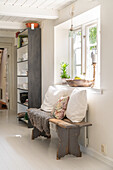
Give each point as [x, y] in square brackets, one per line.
[59, 109]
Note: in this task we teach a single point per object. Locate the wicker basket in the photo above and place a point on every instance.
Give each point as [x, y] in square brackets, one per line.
[79, 83]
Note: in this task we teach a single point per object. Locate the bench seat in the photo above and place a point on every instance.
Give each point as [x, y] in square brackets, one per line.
[66, 123]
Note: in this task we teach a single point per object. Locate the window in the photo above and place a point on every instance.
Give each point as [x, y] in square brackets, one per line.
[84, 43]
[77, 56]
[91, 46]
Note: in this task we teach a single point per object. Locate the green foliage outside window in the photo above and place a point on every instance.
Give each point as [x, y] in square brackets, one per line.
[93, 47]
[93, 35]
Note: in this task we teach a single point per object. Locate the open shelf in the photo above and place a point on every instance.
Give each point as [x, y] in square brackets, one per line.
[22, 61]
[22, 75]
[23, 104]
[22, 46]
[24, 32]
[22, 89]
[23, 120]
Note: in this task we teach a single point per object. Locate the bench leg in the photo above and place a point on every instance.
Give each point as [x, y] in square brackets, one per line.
[36, 133]
[68, 142]
[74, 147]
[63, 142]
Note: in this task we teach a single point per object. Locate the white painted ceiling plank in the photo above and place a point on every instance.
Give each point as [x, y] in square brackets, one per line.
[2, 1]
[46, 4]
[41, 3]
[37, 3]
[57, 3]
[7, 18]
[1, 16]
[23, 2]
[28, 3]
[19, 2]
[33, 3]
[9, 10]
[18, 11]
[49, 6]
[5, 1]
[10, 2]
[61, 6]
[54, 4]
[64, 4]
[12, 19]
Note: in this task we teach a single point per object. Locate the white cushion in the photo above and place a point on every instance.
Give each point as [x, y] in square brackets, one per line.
[77, 105]
[67, 90]
[51, 97]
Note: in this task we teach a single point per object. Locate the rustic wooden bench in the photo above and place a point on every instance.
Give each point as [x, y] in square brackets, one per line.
[68, 133]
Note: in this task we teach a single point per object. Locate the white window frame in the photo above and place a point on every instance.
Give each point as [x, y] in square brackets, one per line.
[74, 65]
[91, 24]
[84, 35]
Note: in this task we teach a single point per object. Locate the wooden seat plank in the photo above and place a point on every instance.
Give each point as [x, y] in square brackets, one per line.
[80, 124]
[66, 123]
[62, 123]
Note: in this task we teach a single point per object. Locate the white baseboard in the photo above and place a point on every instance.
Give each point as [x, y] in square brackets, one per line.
[97, 155]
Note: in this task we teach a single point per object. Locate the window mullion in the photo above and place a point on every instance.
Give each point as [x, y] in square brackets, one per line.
[83, 50]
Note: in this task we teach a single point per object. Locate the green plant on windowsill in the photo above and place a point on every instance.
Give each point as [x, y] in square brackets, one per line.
[64, 74]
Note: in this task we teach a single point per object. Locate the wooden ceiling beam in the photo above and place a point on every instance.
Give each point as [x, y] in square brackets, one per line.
[20, 11]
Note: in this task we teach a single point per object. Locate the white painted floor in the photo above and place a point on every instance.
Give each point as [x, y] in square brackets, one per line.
[19, 152]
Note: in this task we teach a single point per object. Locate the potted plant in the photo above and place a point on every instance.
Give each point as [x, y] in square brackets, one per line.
[64, 74]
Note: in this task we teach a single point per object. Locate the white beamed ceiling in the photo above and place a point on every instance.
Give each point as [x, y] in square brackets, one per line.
[31, 10]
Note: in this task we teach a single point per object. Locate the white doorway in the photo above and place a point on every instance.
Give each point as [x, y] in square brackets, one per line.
[8, 44]
[4, 75]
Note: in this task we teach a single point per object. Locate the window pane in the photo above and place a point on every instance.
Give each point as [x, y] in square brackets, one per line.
[91, 47]
[93, 35]
[78, 56]
[78, 71]
[77, 43]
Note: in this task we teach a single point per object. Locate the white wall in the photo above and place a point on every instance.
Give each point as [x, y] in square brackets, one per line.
[100, 106]
[101, 112]
[7, 33]
[47, 55]
[60, 52]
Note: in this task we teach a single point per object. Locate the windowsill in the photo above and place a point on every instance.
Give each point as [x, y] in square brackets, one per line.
[93, 90]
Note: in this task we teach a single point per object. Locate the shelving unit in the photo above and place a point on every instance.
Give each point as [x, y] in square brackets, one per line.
[22, 76]
[29, 70]
[23, 104]
[22, 89]
[22, 61]
[23, 46]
